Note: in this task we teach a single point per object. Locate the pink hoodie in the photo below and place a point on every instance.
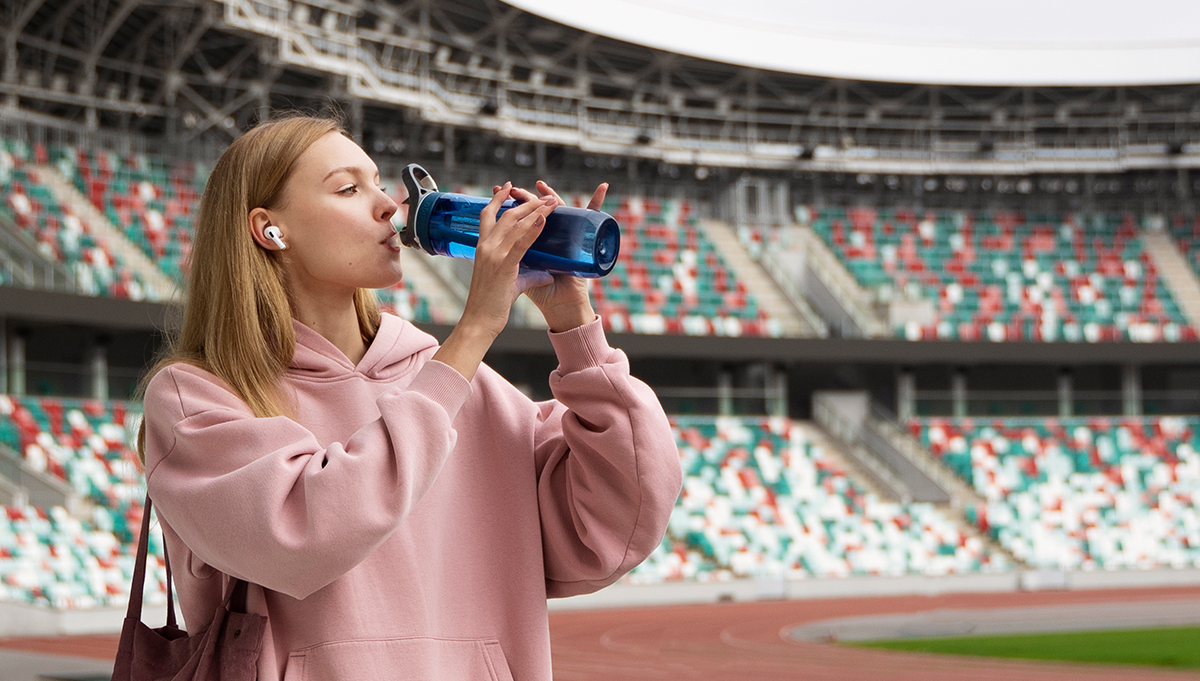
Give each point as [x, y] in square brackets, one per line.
[411, 524]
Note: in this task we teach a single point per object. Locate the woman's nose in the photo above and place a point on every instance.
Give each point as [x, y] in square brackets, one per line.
[389, 207]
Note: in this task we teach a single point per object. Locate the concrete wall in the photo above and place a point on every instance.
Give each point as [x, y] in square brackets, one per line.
[624, 596]
[29, 620]
[20, 619]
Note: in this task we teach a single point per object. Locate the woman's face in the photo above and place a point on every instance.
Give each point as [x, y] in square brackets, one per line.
[337, 221]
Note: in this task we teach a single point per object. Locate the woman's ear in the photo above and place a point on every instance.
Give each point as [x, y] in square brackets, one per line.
[258, 220]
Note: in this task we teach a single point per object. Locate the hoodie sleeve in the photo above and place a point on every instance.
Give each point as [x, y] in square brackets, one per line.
[608, 468]
[262, 500]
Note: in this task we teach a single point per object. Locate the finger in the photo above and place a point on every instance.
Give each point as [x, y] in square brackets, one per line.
[522, 211]
[598, 197]
[527, 279]
[545, 190]
[496, 188]
[523, 195]
[530, 231]
[489, 211]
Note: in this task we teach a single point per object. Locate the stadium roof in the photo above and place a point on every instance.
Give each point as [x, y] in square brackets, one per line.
[1001, 42]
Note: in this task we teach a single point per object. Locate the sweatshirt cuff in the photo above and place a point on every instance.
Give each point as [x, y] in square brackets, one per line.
[442, 384]
[581, 348]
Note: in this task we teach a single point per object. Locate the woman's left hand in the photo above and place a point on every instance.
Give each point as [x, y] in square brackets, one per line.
[564, 301]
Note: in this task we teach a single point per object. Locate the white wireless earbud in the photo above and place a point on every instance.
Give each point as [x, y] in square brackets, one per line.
[272, 232]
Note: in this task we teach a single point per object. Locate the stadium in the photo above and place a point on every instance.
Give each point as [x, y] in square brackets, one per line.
[918, 288]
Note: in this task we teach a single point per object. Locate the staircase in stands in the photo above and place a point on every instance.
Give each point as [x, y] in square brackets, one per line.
[1176, 274]
[162, 288]
[794, 321]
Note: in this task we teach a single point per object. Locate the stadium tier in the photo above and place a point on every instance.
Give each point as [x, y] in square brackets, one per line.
[152, 200]
[760, 498]
[670, 279]
[1008, 275]
[1080, 493]
[84, 442]
[49, 557]
[30, 206]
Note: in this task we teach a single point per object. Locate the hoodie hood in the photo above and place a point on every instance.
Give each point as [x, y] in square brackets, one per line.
[398, 348]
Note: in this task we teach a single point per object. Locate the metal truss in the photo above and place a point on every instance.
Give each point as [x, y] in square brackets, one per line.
[192, 69]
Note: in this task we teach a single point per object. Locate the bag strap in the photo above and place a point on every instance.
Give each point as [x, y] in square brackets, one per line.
[139, 570]
[170, 588]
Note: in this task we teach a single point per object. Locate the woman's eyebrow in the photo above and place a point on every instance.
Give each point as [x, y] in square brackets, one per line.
[353, 170]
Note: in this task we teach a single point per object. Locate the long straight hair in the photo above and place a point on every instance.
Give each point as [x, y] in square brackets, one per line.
[237, 319]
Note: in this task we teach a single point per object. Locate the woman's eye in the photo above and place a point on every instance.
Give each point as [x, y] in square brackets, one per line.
[348, 189]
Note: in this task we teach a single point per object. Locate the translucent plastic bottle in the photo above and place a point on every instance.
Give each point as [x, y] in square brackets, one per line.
[575, 241]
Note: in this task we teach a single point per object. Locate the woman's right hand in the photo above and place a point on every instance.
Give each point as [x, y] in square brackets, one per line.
[496, 279]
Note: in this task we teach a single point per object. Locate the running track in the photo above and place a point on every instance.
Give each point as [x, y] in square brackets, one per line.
[743, 642]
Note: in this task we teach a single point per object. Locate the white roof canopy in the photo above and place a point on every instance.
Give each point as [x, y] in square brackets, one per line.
[962, 42]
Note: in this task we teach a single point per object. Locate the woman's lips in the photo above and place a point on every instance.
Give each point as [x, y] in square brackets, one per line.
[394, 242]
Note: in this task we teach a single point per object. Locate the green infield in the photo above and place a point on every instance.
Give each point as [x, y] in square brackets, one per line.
[1176, 647]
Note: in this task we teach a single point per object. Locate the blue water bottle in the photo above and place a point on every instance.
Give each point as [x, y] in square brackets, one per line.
[575, 241]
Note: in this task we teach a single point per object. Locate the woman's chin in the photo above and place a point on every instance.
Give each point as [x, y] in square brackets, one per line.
[390, 281]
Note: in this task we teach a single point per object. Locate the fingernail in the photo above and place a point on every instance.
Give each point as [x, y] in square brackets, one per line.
[507, 185]
[539, 220]
[550, 200]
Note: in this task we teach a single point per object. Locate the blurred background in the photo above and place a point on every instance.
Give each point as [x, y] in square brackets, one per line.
[917, 282]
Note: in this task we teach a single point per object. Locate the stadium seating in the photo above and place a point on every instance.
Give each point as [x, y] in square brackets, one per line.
[760, 499]
[47, 556]
[50, 558]
[60, 236]
[84, 442]
[669, 279]
[153, 200]
[1008, 275]
[1080, 493]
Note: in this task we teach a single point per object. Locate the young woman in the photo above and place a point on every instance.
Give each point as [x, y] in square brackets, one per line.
[400, 510]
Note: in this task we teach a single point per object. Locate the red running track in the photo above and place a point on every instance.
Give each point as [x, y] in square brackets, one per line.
[743, 642]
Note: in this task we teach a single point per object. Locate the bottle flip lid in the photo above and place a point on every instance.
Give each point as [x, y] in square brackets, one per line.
[419, 184]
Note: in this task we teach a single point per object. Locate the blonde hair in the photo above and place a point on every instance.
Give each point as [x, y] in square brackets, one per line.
[237, 319]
